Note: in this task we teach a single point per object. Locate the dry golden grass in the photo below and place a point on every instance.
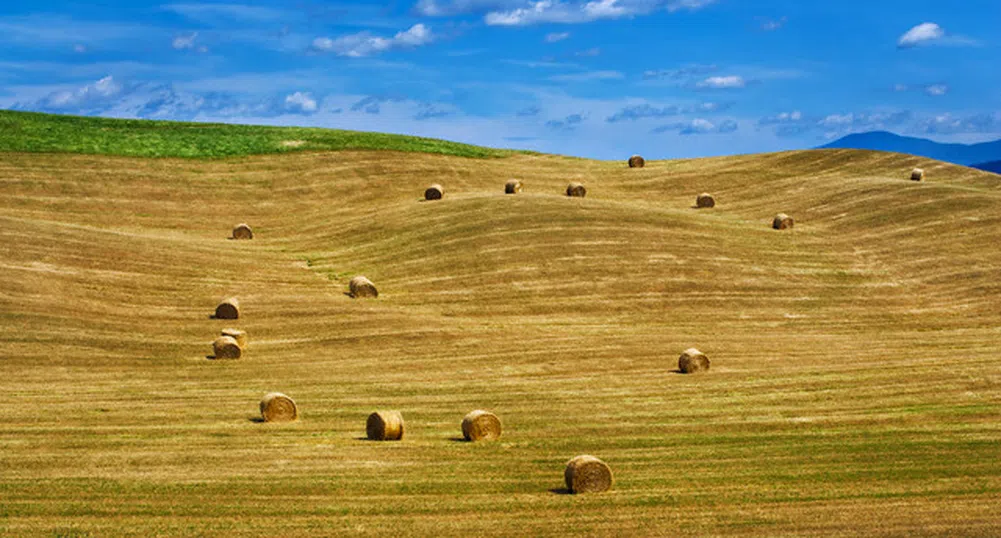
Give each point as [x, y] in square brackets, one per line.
[855, 387]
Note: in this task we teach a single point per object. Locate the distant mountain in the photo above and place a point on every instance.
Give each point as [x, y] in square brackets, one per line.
[965, 154]
[994, 166]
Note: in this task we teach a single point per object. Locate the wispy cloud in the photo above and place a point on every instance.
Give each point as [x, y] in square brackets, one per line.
[213, 13]
[722, 82]
[566, 124]
[698, 126]
[366, 44]
[646, 110]
[933, 90]
[560, 12]
[449, 8]
[188, 42]
[588, 76]
[555, 37]
[771, 25]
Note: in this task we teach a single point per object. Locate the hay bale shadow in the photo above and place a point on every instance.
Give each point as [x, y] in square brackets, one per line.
[458, 439]
[257, 420]
[210, 357]
[677, 371]
[561, 491]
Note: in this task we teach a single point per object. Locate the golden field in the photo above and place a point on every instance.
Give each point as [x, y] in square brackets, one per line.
[855, 387]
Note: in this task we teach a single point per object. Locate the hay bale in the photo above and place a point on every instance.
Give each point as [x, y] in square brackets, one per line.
[917, 175]
[228, 309]
[385, 426]
[576, 190]
[277, 407]
[637, 162]
[238, 335]
[693, 361]
[242, 231]
[587, 474]
[782, 221]
[512, 187]
[434, 192]
[705, 200]
[481, 426]
[361, 287]
[226, 347]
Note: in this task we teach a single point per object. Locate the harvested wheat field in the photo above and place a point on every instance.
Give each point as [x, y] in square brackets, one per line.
[855, 386]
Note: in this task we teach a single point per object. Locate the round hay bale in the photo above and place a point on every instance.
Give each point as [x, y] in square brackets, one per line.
[512, 187]
[361, 287]
[277, 407]
[434, 192]
[587, 474]
[705, 200]
[226, 347]
[228, 309]
[782, 221]
[385, 426]
[917, 175]
[481, 426]
[238, 335]
[576, 190]
[693, 361]
[637, 162]
[242, 231]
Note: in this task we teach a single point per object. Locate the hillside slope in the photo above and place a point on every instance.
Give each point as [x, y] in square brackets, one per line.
[854, 387]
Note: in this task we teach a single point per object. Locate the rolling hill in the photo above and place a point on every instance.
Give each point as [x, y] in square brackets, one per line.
[965, 154]
[854, 387]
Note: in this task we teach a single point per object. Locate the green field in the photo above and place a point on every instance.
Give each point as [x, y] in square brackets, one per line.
[47, 133]
[855, 387]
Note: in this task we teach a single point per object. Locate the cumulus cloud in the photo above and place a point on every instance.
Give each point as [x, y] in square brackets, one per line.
[925, 32]
[365, 44]
[698, 126]
[300, 103]
[722, 83]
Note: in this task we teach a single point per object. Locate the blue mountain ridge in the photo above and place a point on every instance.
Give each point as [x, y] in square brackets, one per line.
[983, 155]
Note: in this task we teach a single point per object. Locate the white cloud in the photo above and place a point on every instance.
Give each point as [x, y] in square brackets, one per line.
[366, 44]
[557, 36]
[300, 102]
[448, 8]
[699, 126]
[926, 32]
[691, 5]
[770, 25]
[937, 90]
[211, 13]
[722, 82]
[184, 42]
[555, 11]
[588, 76]
[79, 49]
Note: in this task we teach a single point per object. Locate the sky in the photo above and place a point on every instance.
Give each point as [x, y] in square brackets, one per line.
[599, 79]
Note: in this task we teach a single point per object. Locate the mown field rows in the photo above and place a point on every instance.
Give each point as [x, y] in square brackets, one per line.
[854, 388]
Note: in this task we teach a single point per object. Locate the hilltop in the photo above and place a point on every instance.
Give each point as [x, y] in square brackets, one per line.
[38, 132]
[854, 387]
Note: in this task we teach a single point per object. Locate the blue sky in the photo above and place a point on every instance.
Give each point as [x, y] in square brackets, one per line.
[599, 78]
